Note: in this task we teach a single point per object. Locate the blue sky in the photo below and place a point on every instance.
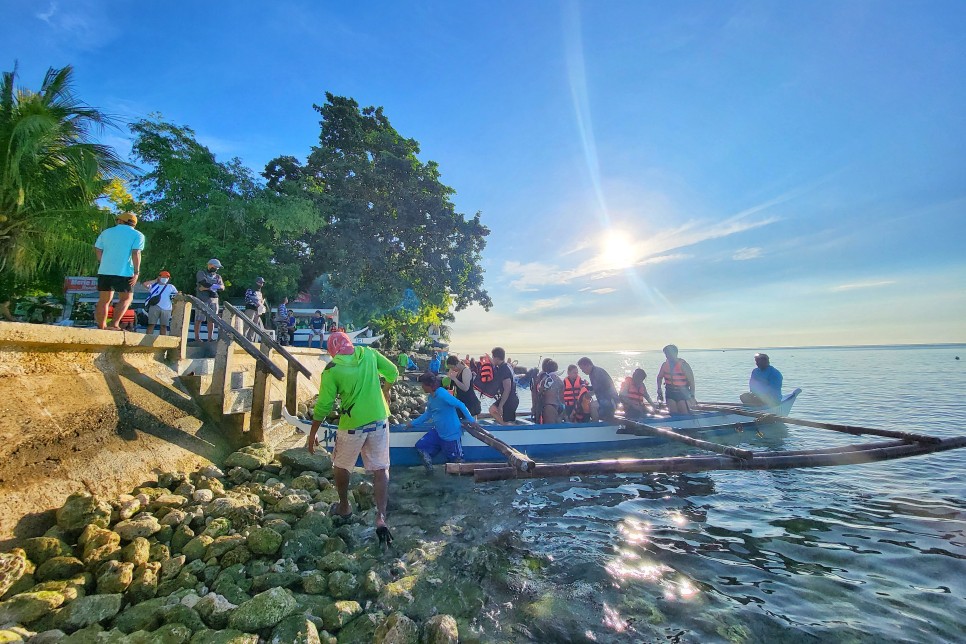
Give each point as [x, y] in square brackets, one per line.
[706, 173]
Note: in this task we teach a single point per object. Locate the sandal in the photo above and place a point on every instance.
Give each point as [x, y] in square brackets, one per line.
[385, 537]
[333, 512]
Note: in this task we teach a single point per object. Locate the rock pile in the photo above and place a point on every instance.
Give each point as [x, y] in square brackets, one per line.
[406, 401]
[242, 556]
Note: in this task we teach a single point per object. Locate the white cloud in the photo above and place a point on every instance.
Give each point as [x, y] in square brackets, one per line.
[604, 291]
[857, 285]
[47, 15]
[743, 254]
[545, 304]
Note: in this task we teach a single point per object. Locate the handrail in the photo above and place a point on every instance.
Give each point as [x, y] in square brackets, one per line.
[267, 339]
[242, 341]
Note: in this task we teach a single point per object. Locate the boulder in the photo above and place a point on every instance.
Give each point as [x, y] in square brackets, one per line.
[137, 552]
[40, 549]
[181, 614]
[57, 568]
[316, 523]
[264, 541]
[338, 614]
[396, 629]
[13, 566]
[315, 583]
[214, 610]
[251, 457]
[372, 583]
[441, 629]
[140, 617]
[127, 506]
[283, 579]
[300, 460]
[202, 496]
[94, 537]
[299, 544]
[222, 545]
[242, 510]
[337, 561]
[295, 630]
[170, 568]
[115, 577]
[143, 525]
[82, 509]
[167, 501]
[305, 482]
[237, 555]
[167, 634]
[180, 537]
[144, 582]
[362, 629]
[174, 518]
[68, 590]
[197, 547]
[264, 610]
[343, 585]
[292, 504]
[89, 610]
[29, 607]
[229, 636]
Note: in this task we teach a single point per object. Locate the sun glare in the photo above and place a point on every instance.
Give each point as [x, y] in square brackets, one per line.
[617, 250]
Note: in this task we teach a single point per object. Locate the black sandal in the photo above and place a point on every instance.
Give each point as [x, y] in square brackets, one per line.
[385, 537]
[333, 512]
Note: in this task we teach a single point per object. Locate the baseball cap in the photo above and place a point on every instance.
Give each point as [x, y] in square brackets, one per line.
[214, 262]
[127, 218]
[259, 280]
[164, 274]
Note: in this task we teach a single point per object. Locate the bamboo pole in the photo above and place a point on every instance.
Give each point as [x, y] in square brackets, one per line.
[517, 459]
[847, 429]
[776, 461]
[640, 429]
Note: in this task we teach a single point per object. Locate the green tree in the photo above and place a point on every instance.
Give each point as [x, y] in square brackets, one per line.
[391, 227]
[196, 208]
[51, 174]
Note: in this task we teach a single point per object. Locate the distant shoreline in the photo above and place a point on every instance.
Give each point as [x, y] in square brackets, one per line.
[938, 345]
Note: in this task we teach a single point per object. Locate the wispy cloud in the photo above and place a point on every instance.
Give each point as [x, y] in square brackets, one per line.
[743, 254]
[47, 15]
[603, 291]
[857, 285]
[545, 304]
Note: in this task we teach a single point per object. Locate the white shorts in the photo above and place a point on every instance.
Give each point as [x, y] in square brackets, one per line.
[157, 315]
[373, 445]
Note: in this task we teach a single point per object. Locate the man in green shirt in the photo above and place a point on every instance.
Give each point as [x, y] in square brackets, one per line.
[353, 376]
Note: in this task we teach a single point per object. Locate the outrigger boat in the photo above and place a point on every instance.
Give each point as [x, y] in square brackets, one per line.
[563, 439]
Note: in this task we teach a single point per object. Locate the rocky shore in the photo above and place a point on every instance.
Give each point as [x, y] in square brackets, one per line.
[249, 554]
[406, 401]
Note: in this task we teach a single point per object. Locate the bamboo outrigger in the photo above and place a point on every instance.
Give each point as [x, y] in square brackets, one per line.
[902, 445]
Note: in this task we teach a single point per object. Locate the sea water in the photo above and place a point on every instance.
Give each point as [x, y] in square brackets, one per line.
[859, 553]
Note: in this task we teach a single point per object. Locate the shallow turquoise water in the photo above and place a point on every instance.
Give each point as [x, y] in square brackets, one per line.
[859, 553]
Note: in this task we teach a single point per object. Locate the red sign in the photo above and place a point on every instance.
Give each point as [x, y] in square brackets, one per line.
[80, 284]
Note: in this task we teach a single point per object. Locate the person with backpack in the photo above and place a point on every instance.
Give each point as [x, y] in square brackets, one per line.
[255, 306]
[158, 304]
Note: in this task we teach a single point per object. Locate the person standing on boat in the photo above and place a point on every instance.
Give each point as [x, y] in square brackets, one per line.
[634, 393]
[678, 382]
[442, 420]
[572, 385]
[550, 390]
[603, 387]
[353, 377]
[765, 384]
[504, 410]
[462, 379]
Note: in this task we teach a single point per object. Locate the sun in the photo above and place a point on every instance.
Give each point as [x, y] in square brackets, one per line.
[617, 250]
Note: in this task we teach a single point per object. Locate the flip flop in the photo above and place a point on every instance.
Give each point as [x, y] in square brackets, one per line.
[333, 512]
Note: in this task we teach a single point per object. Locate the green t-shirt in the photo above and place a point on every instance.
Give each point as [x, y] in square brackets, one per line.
[403, 361]
[355, 380]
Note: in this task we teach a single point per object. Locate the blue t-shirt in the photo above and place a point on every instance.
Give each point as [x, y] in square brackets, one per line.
[440, 413]
[766, 383]
[435, 365]
[317, 324]
[116, 244]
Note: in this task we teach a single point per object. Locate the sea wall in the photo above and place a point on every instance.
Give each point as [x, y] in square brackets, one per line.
[88, 410]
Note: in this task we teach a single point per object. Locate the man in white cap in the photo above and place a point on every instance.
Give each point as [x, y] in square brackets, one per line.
[118, 250]
[209, 285]
[255, 306]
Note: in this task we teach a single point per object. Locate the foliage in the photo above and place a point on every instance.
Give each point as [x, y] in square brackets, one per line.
[391, 226]
[51, 173]
[196, 208]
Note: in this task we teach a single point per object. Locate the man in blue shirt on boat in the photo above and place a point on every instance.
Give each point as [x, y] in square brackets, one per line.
[444, 424]
[765, 384]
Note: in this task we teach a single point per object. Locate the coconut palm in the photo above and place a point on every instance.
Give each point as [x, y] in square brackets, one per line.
[51, 174]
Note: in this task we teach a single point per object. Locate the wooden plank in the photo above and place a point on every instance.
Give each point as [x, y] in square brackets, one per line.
[291, 387]
[180, 324]
[261, 415]
[847, 429]
[775, 461]
[517, 459]
[265, 338]
[640, 429]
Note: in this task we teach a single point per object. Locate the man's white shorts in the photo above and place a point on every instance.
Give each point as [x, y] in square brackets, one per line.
[157, 315]
[373, 445]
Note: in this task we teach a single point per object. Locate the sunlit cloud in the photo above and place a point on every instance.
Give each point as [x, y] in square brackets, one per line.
[743, 254]
[544, 304]
[858, 285]
[603, 291]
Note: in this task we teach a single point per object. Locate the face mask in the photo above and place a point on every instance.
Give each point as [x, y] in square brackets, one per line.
[212, 269]
[162, 280]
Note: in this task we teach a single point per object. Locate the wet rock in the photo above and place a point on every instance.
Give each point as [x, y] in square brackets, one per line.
[242, 510]
[144, 582]
[338, 614]
[13, 566]
[40, 549]
[214, 610]
[92, 609]
[315, 583]
[197, 547]
[140, 617]
[137, 552]
[343, 585]
[396, 629]
[58, 568]
[263, 610]
[264, 541]
[82, 509]
[222, 545]
[295, 630]
[26, 608]
[143, 525]
[115, 577]
[441, 629]
[300, 460]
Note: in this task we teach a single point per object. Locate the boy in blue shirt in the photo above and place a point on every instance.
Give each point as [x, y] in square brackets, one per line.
[317, 328]
[444, 425]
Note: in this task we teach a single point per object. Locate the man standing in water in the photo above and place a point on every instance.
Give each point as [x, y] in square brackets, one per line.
[353, 376]
[603, 386]
[765, 384]
[504, 410]
[118, 250]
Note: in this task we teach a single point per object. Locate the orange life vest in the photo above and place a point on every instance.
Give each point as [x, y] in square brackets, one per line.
[674, 377]
[582, 409]
[571, 391]
[486, 371]
[634, 392]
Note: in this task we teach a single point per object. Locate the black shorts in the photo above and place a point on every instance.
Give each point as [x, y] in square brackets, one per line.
[117, 283]
[510, 409]
[677, 393]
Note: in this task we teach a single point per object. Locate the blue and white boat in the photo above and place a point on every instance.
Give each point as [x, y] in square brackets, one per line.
[541, 442]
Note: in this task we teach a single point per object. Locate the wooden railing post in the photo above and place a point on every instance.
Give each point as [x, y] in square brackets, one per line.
[224, 362]
[292, 388]
[261, 415]
[181, 324]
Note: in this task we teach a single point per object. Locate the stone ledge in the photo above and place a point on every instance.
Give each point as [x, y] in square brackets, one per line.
[68, 338]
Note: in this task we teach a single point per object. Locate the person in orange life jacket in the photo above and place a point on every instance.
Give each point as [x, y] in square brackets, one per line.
[678, 382]
[550, 389]
[603, 386]
[462, 379]
[486, 369]
[571, 390]
[585, 409]
[633, 394]
[504, 410]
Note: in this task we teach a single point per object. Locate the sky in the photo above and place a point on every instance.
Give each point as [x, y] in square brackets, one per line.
[712, 174]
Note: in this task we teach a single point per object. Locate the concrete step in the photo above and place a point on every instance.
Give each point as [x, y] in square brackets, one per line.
[239, 401]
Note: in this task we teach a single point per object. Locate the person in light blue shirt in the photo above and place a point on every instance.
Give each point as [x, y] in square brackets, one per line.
[435, 364]
[118, 250]
[765, 384]
[445, 429]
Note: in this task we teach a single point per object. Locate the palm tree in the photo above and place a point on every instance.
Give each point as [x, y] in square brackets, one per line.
[51, 174]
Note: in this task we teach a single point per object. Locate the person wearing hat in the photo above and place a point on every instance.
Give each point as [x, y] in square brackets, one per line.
[255, 306]
[765, 384]
[118, 251]
[209, 284]
[158, 304]
[353, 376]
